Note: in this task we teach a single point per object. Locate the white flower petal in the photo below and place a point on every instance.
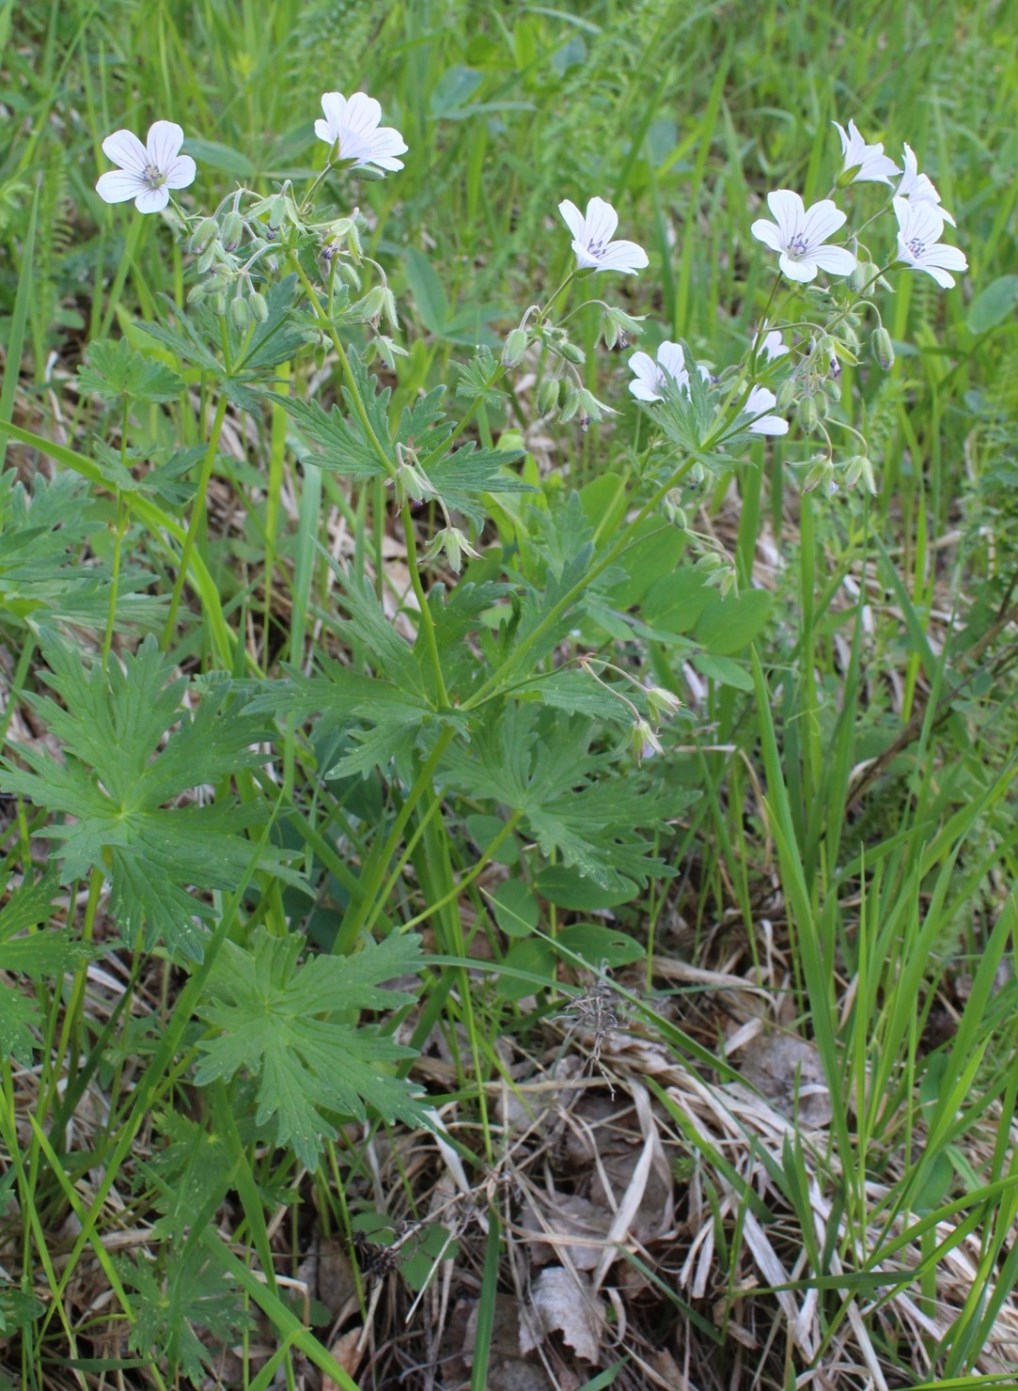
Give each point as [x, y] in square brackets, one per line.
[124, 148]
[164, 141]
[672, 359]
[600, 221]
[773, 345]
[572, 217]
[584, 260]
[769, 425]
[623, 256]
[181, 172]
[648, 377]
[324, 131]
[943, 279]
[803, 271]
[119, 185]
[152, 200]
[334, 106]
[363, 113]
[768, 233]
[835, 260]
[788, 212]
[822, 221]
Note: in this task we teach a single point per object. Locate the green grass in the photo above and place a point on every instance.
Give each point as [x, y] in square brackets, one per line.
[845, 875]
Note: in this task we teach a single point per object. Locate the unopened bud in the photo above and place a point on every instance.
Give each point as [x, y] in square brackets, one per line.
[453, 543]
[859, 469]
[233, 231]
[831, 391]
[196, 293]
[570, 404]
[412, 483]
[204, 234]
[645, 742]
[239, 312]
[370, 307]
[883, 348]
[807, 414]
[592, 407]
[663, 702]
[258, 305]
[571, 352]
[547, 395]
[708, 563]
[219, 302]
[820, 474]
[515, 347]
[786, 394]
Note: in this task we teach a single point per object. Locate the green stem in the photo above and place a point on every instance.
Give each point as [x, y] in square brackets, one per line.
[427, 622]
[197, 513]
[365, 910]
[507, 829]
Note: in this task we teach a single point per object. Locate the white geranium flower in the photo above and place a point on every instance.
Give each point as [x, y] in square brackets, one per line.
[353, 126]
[870, 163]
[919, 244]
[920, 188]
[592, 238]
[147, 172]
[761, 399]
[773, 346]
[652, 378]
[800, 236]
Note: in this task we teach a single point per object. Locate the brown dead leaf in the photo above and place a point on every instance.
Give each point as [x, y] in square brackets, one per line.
[788, 1072]
[349, 1353]
[566, 1304]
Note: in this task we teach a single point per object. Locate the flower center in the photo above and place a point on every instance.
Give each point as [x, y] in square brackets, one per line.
[916, 247]
[596, 248]
[797, 246]
[154, 176]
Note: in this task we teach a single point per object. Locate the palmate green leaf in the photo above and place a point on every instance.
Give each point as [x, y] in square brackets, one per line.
[584, 808]
[183, 1306]
[42, 955]
[115, 372]
[43, 537]
[129, 748]
[288, 1026]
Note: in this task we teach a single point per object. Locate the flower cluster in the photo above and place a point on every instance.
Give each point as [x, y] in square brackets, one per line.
[800, 235]
[148, 172]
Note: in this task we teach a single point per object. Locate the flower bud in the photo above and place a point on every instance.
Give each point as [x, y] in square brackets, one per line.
[571, 352]
[204, 234]
[663, 702]
[208, 258]
[831, 391]
[389, 308]
[786, 394]
[515, 347]
[239, 312]
[820, 474]
[197, 293]
[859, 469]
[570, 404]
[708, 563]
[547, 395]
[883, 348]
[233, 231]
[645, 742]
[219, 302]
[258, 305]
[807, 414]
[370, 307]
